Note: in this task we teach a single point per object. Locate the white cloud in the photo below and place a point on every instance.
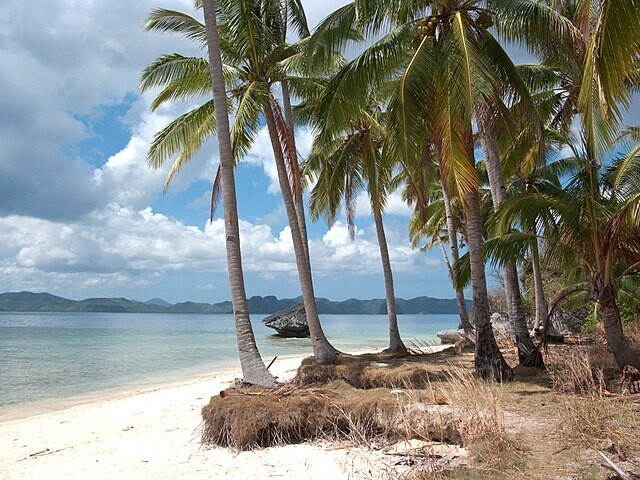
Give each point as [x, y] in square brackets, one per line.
[395, 205]
[120, 246]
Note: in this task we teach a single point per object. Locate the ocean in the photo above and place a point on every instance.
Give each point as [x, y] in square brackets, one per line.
[57, 356]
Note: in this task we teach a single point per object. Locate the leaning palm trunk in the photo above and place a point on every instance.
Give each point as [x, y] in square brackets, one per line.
[515, 306]
[612, 323]
[253, 368]
[455, 256]
[297, 193]
[322, 349]
[489, 362]
[395, 342]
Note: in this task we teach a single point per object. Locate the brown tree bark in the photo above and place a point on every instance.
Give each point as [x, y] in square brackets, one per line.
[455, 256]
[542, 309]
[323, 351]
[488, 360]
[253, 368]
[298, 194]
[618, 344]
[395, 342]
[515, 306]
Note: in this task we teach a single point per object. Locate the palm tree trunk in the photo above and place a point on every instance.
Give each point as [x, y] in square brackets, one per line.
[322, 349]
[515, 306]
[488, 360]
[253, 368]
[616, 340]
[395, 342]
[455, 256]
[542, 309]
[298, 193]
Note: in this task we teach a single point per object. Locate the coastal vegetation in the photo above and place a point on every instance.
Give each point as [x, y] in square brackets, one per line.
[527, 168]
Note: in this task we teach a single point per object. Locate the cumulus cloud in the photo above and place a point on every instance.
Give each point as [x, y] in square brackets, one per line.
[120, 245]
[66, 58]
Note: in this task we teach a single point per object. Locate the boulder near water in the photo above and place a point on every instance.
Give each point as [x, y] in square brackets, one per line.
[291, 322]
[449, 337]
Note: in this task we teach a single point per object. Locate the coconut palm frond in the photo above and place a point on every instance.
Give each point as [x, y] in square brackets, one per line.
[184, 135]
[171, 21]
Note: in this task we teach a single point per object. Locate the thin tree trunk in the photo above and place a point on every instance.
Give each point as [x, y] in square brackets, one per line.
[542, 309]
[253, 368]
[460, 300]
[298, 193]
[455, 256]
[445, 256]
[515, 306]
[322, 349]
[488, 360]
[395, 342]
[616, 340]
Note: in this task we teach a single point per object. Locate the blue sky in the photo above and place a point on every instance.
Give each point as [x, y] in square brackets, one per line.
[81, 214]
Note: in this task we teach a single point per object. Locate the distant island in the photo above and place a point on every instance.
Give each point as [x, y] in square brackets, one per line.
[45, 302]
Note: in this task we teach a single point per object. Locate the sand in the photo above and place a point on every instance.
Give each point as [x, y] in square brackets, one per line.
[154, 435]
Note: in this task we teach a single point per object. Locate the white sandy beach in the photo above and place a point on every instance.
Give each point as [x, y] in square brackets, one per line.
[154, 435]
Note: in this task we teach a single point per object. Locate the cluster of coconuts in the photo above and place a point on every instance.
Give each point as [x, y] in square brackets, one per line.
[427, 27]
[484, 20]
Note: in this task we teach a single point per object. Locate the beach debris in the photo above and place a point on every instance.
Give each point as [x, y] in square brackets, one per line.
[291, 322]
[272, 362]
[436, 454]
[46, 451]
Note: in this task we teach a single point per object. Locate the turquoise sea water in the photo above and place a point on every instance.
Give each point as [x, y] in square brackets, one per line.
[54, 356]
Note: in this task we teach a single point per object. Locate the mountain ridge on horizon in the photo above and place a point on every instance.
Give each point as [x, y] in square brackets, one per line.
[46, 302]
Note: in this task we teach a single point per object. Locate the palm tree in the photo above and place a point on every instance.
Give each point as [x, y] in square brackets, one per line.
[591, 230]
[515, 304]
[595, 48]
[254, 55]
[436, 217]
[351, 161]
[253, 368]
[450, 66]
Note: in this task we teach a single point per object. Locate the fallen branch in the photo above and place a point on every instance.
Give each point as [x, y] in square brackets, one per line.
[614, 467]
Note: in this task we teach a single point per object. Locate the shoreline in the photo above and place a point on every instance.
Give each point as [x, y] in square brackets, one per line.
[155, 434]
[176, 378]
[172, 380]
[150, 434]
[25, 410]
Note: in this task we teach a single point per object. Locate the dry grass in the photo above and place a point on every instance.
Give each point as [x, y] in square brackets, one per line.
[379, 370]
[335, 411]
[590, 414]
[542, 425]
